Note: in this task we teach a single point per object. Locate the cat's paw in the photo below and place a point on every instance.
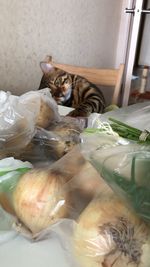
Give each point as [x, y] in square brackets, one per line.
[78, 113]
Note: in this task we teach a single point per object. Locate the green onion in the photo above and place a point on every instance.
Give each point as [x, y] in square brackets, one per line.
[127, 131]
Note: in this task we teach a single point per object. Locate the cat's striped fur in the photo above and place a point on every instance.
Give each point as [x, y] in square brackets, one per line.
[72, 91]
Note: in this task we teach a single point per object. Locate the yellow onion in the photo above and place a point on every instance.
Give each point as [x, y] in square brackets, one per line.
[46, 115]
[5, 203]
[39, 199]
[110, 235]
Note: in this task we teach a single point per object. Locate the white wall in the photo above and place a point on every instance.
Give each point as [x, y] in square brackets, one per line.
[81, 32]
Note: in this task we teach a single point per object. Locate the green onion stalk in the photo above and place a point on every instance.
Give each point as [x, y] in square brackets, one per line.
[129, 132]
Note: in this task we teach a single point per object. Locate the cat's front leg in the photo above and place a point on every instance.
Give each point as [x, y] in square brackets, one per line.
[78, 113]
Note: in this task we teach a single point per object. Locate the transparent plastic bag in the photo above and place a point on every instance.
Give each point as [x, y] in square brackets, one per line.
[124, 165]
[136, 115]
[44, 196]
[17, 124]
[6, 227]
[19, 116]
[139, 118]
[93, 120]
[110, 234]
[48, 145]
[93, 140]
[71, 200]
[60, 137]
[42, 105]
[10, 172]
[126, 169]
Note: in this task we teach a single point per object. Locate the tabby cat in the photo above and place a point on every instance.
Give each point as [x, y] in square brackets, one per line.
[72, 91]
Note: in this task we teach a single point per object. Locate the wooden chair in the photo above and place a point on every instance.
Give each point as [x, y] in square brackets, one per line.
[103, 77]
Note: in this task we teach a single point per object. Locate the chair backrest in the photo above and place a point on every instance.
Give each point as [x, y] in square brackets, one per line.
[104, 77]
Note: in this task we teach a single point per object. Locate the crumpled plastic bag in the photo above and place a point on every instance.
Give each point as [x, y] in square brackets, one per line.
[42, 105]
[17, 123]
[19, 116]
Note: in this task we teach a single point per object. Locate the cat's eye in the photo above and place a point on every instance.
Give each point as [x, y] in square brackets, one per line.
[57, 82]
[66, 82]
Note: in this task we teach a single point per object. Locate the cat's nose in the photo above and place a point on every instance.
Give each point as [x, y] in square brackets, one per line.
[57, 94]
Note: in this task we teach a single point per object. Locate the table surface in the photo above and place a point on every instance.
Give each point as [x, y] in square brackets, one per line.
[20, 252]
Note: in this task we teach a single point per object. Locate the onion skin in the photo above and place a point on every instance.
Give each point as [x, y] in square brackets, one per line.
[39, 200]
[95, 246]
[5, 203]
[45, 116]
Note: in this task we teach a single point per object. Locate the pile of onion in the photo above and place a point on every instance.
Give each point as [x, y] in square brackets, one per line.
[109, 235]
[39, 199]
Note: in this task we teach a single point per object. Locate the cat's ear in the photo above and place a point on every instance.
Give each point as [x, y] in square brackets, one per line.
[48, 59]
[46, 67]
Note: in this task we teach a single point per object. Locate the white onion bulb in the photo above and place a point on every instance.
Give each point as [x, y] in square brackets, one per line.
[39, 199]
[109, 235]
